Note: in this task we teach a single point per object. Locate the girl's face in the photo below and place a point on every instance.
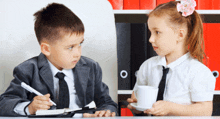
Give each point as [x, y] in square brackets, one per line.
[163, 38]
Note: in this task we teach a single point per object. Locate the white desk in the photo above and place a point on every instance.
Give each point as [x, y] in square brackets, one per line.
[142, 117]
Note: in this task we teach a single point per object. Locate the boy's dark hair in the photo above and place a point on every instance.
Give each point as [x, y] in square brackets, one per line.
[53, 20]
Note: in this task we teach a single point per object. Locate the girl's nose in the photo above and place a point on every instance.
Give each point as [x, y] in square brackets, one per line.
[151, 39]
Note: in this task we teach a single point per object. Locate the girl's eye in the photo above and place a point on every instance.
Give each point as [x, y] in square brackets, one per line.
[70, 48]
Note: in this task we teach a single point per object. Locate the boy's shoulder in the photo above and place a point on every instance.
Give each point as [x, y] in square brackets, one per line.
[87, 61]
[28, 66]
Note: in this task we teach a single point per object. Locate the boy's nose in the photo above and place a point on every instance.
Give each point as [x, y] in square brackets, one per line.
[77, 53]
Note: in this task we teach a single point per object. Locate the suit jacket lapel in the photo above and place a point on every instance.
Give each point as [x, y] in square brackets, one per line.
[81, 75]
[46, 74]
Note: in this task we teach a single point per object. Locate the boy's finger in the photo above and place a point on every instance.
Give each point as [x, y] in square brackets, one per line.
[97, 113]
[101, 113]
[47, 95]
[107, 113]
[46, 103]
[113, 114]
[42, 98]
[42, 107]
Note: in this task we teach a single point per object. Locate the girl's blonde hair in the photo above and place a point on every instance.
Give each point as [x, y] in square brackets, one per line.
[194, 39]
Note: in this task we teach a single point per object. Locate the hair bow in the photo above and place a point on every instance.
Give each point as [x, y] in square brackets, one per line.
[187, 7]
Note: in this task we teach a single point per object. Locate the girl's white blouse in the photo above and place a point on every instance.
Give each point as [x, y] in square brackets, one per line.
[188, 80]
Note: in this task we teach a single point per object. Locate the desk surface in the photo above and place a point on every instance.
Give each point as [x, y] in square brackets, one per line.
[142, 117]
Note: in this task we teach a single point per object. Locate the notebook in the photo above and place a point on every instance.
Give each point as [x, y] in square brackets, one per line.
[91, 105]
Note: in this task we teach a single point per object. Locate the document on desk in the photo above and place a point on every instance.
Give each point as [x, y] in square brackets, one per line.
[63, 111]
[55, 112]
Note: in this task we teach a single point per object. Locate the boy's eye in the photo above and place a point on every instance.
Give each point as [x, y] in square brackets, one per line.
[157, 32]
[70, 48]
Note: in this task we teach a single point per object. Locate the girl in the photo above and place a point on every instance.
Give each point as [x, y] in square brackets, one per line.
[177, 37]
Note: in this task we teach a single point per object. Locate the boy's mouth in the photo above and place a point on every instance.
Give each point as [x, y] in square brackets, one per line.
[75, 61]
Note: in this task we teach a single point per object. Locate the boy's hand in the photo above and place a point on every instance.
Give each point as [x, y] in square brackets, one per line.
[133, 109]
[40, 103]
[101, 113]
[160, 108]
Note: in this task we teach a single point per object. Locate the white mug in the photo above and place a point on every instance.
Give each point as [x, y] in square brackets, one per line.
[146, 96]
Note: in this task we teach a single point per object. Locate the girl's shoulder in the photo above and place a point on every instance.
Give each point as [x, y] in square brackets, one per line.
[150, 62]
[198, 68]
[197, 65]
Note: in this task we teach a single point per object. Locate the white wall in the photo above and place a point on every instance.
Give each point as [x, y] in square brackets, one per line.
[18, 41]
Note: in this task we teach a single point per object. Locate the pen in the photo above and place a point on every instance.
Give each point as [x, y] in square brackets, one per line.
[30, 89]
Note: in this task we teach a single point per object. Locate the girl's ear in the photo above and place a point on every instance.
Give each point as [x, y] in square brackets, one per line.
[182, 34]
[45, 48]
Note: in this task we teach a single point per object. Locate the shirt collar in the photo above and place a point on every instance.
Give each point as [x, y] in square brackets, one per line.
[67, 72]
[162, 61]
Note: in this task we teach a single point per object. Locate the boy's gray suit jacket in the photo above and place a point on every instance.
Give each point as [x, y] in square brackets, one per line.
[36, 72]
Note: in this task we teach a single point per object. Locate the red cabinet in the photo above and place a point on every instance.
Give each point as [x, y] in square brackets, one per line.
[161, 1]
[212, 48]
[126, 112]
[116, 4]
[147, 4]
[131, 4]
[208, 4]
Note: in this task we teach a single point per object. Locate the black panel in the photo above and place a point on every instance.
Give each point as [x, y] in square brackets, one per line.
[210, 18]
[138, 48]
[142, 18]
[123, 54]
[131, 18]
[216, 105]
[133, 48]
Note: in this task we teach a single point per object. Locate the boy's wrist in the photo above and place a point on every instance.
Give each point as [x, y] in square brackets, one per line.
[30, 109]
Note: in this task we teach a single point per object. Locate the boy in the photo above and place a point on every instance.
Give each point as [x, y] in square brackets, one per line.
[59, 72]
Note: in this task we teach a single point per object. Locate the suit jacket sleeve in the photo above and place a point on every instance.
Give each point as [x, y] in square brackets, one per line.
[102, 98]
[14, 94]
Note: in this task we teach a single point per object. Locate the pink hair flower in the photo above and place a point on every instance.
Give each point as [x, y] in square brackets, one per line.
[187, 7]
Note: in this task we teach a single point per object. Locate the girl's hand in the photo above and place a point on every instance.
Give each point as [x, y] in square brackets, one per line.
[160, 108]
[133, 109]
[101, 113]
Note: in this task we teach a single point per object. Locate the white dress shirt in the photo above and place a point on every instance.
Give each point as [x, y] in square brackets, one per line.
[69, 78]
[188, 80]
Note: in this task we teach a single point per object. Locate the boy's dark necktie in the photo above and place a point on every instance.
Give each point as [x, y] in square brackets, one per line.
[63, 92]
[162, 84]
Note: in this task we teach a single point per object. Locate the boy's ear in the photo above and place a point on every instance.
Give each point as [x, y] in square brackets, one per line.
[45, 48]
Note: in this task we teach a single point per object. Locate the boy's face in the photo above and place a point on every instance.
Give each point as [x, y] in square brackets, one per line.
[66, 52]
